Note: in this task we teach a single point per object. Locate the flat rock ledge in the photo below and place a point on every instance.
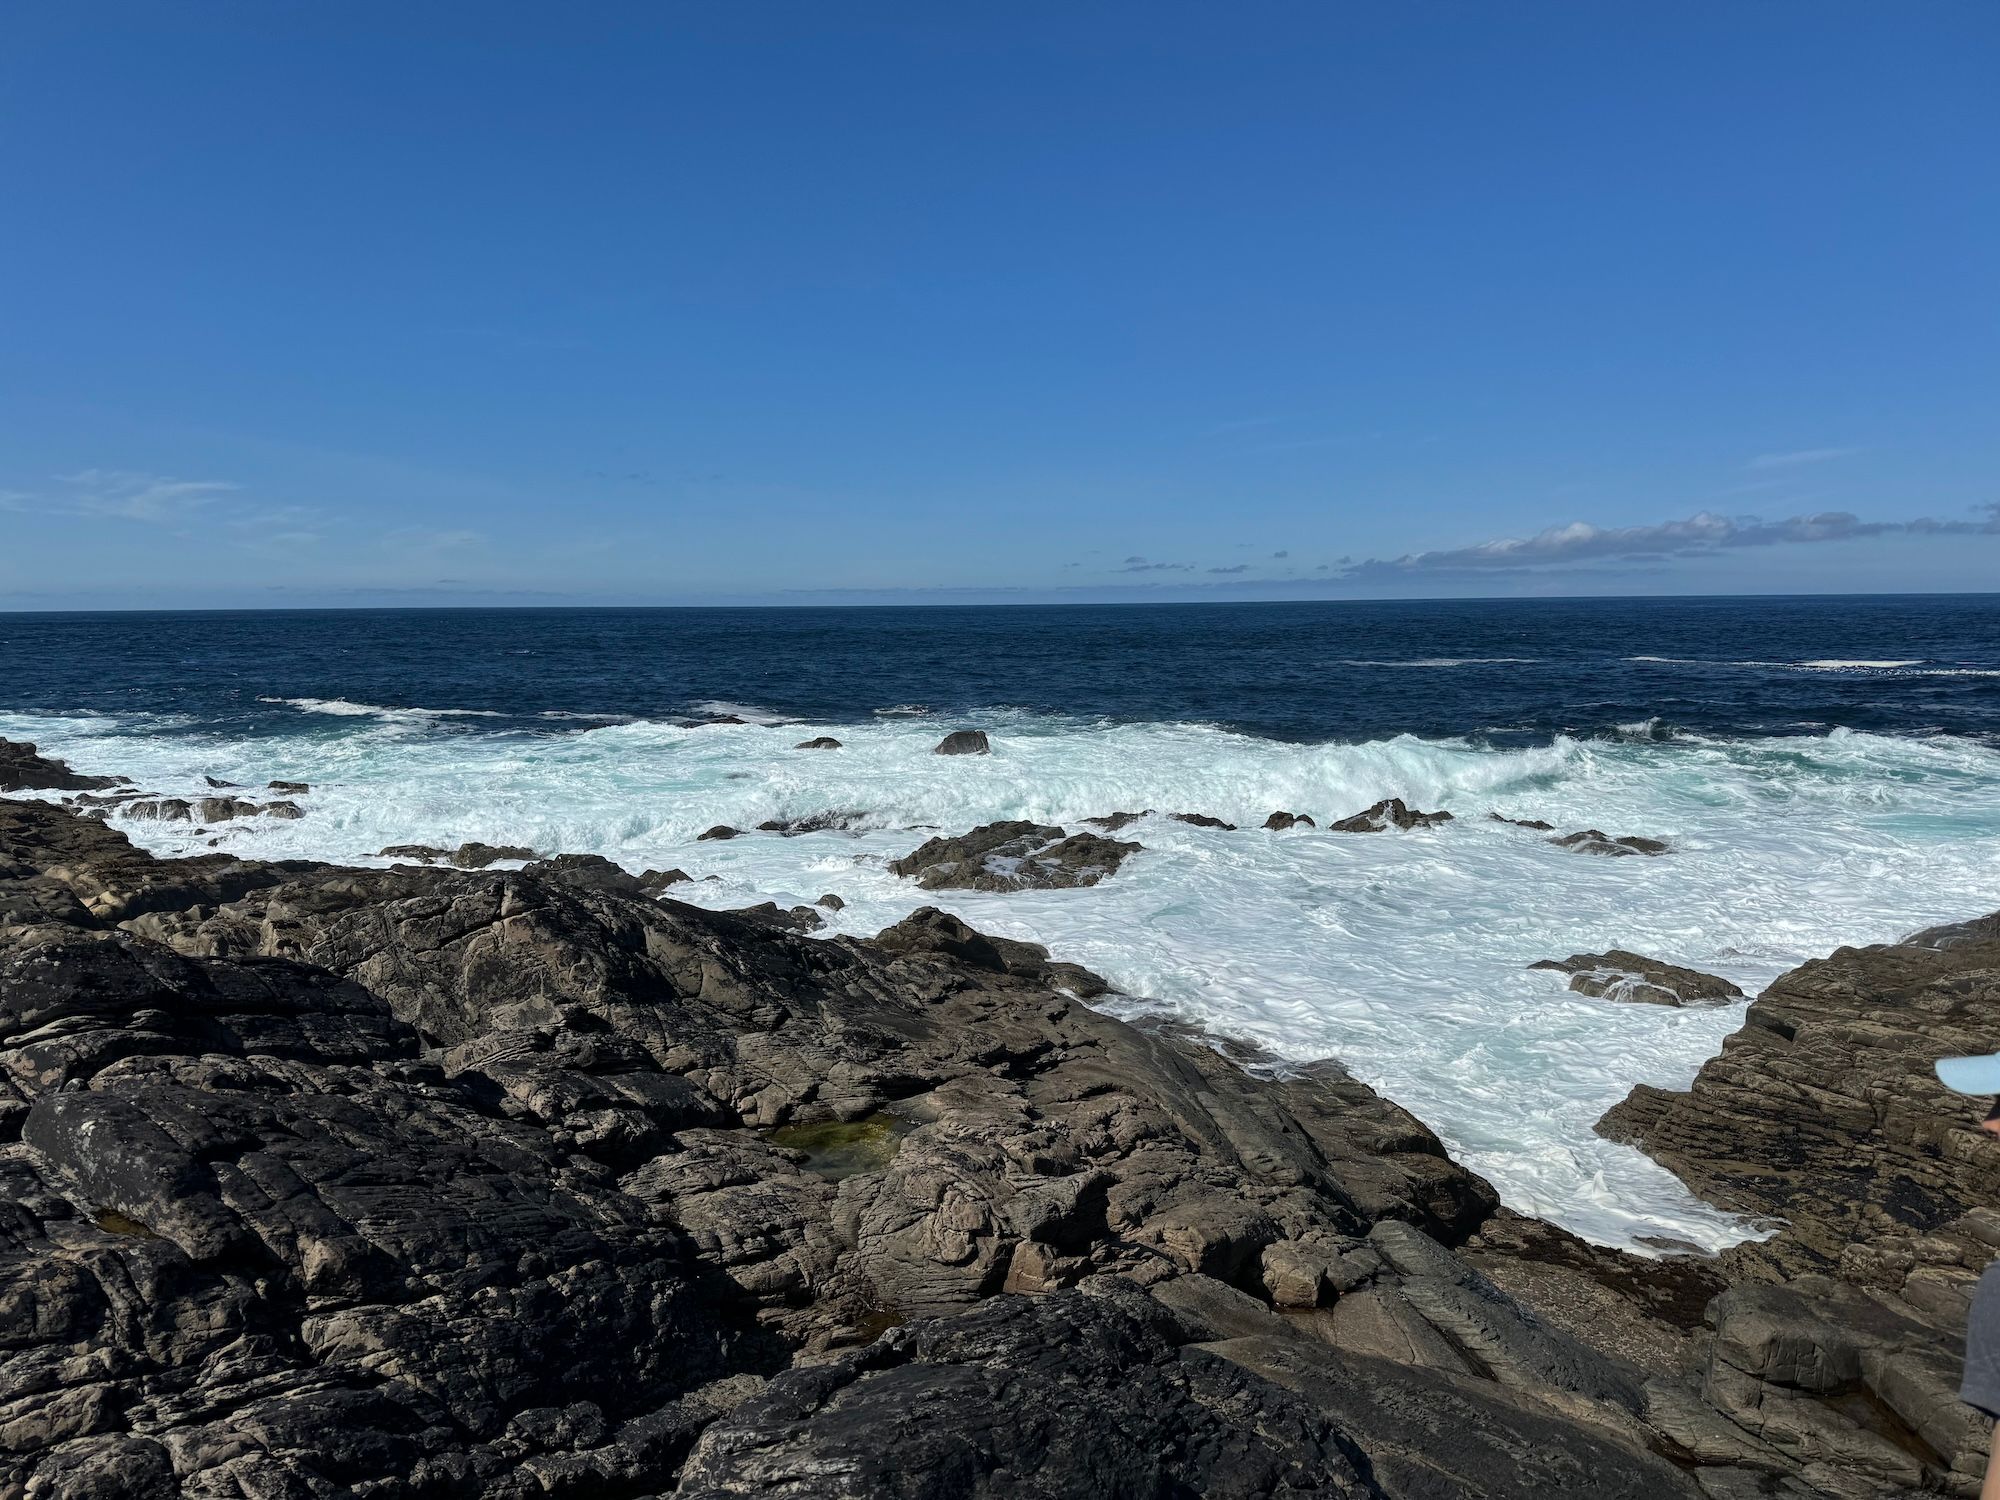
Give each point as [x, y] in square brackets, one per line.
[322, 1181]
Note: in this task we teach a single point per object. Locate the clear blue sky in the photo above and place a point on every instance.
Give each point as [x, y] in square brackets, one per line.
[354, 302]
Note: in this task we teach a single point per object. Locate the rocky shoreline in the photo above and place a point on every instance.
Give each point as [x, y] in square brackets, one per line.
[453, 1182]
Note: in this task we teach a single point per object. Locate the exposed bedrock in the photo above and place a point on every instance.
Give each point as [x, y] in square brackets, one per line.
[435, 1182]
[965, 742]
[1620, 974]
[23, 770]
[1822, 1114]
[1013, 856]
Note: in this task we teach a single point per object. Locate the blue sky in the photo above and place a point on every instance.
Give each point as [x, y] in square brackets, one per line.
[377, 303]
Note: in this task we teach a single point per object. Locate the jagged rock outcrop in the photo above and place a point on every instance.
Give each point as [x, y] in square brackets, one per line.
[833, 820]
[1279, 821]
[451, 1183]
[1013, 856]
[23, 770]
[477, 856]
[1620, 974]
[1390, 812]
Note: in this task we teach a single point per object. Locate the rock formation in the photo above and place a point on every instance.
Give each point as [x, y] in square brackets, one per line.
[964, 742]
[1822, 1116]
[1012, 857]
[1389, 813]
[22, 770]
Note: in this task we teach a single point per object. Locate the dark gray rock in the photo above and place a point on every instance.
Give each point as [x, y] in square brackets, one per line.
[719, 831]
[1203, 820]
[477, 856]
[831, 821]
[818, 742]
[288, 788]
[1112, 822]
[1619, 974]
[423, 853]
[791, 919]
[22, 770]
[964, 742]
[1279, 821]
[1013, 856]
[1389, 813]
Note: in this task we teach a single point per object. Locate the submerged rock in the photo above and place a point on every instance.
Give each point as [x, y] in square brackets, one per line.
[1279, 821]
[1620, 974]
[832, 821]
[289, 788]
[217, 784]
[719, 831]
[1112, 822]
[477, 856]
[1203, 820]
[1535, 823]
[818, 742]
[831, 902]
[163, 809]
[1389, 813]
[1013, 856]
[1591, 841]
[426, 853]
[964, 742]
[22, 770]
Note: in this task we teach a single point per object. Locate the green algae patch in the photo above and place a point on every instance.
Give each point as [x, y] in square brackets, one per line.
[844, 1148]
[112, 1222]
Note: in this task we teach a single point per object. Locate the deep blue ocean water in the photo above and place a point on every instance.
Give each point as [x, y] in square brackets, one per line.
[1514, 671]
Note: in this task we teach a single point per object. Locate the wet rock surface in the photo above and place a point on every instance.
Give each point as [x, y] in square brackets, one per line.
[1620, 974]
[1013, 856]
[818, 742]
[1390, 812]
[965, 742]
[23, 770]
[1279, 821]
[441, 1182]
[1591, 841]
[1822, 1114]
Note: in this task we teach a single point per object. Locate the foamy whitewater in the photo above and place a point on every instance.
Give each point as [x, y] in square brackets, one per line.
[1404, 955]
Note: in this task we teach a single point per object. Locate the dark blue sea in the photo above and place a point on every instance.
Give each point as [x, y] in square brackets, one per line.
[1510, 671]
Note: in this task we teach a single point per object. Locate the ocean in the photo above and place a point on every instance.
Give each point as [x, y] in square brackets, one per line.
[1825, 770]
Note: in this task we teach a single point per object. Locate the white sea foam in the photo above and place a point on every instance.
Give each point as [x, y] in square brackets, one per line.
[749, 713]
[1403, 954]
[341, 708]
